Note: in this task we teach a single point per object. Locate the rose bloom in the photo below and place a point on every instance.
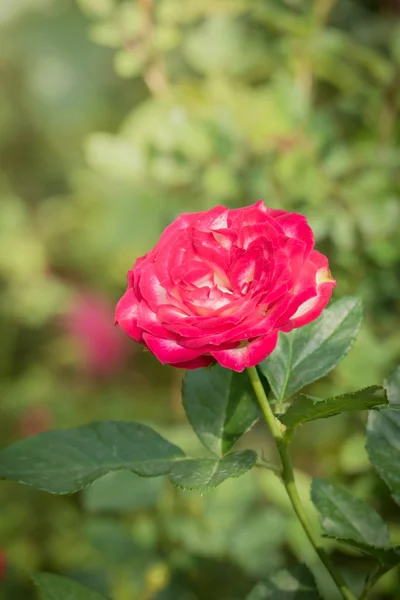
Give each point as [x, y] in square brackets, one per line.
[220, 285]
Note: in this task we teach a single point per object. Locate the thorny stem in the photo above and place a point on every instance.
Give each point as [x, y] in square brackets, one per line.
[278, 433]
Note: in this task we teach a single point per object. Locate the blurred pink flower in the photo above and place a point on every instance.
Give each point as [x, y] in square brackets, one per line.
[35, 419]
[3, 564]
[90, 322]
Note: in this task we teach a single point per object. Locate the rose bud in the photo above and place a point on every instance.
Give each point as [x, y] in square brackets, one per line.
[220, 285]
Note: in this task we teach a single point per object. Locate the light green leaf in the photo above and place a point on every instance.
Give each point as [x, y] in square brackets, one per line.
[383, 447]
[206, 473]
[65, 461]
[54, 587]
[308, 353]
[344, 516]
[306, 408]
[295, 583]
[220, 405]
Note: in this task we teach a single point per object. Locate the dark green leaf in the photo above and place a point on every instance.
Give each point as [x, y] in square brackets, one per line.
[383, 447]
[206, 473]
[54, 587]
[344, 516]
[308, 353]
[220, 405]
[392, 385]
[306, 408]
[296, 583]
[64, 461]
[389, 556]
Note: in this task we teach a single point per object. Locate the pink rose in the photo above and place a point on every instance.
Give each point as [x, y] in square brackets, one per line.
[89, 322]
[221, 284]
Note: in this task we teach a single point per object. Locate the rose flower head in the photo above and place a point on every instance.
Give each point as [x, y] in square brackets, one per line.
[220, 285]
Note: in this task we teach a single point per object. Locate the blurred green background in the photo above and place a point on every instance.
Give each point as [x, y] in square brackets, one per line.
[115, 116]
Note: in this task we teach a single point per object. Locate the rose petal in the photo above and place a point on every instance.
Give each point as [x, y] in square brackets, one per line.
[295, 226]
[169, 351]
[151, 288]
[247, 355]
[202, 361]
[148, 321]
[213, 219]
[312, 308]
[126, 315]
[248, 215]
[246, 269]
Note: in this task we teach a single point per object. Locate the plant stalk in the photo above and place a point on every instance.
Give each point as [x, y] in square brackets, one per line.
[277, 430]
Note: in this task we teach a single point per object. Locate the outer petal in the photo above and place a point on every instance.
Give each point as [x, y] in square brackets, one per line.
[213, 219]
[170, 351]
[247, 215]
[202, 361]
[171, 231]
[126, 315]
[247, 355]
[294, 226]
[312, 308]
[148, 322]
[151, 288]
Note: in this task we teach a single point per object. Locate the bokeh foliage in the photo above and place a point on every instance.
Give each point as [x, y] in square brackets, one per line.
[115, 116]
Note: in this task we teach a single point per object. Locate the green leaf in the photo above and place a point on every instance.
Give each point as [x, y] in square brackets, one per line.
[308, 353]
[346, 517]
[295, 583]
[388, 556]
[122, 491]
[54, 587]
[65, 461]
[206, 473]
[307, 408]
[392, 385]
[383, 447]
[112, 540]
[220, 405]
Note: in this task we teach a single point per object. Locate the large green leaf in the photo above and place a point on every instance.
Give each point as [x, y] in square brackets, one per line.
[344, 516]
[54, 587]
[220, 405]
[296, 583]
[310, 352]
[65, 461]
[207, 473]
[383, 447]
[306, 408]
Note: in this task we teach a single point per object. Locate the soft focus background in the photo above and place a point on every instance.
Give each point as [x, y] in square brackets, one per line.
[115, 116]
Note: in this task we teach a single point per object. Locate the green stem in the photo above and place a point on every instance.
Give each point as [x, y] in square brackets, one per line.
[371, 581]
[278, 433]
